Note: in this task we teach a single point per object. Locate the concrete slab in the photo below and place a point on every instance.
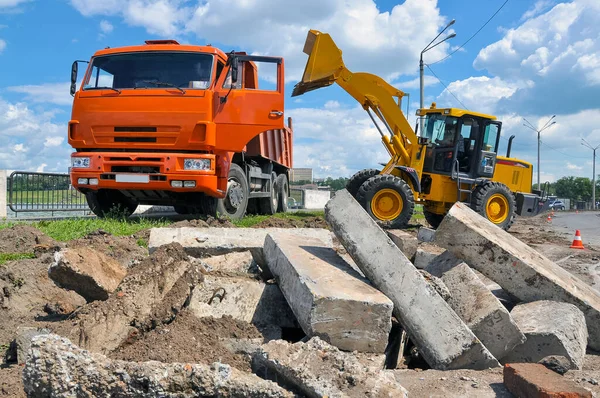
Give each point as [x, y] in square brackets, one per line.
[238, 262]
[425, 254]
[405, 241]
[440, 335]
[551, 328]
[477, 306]
[329, 299]
[202, 242]
[246, 299]
[519, 269]
[425, 234]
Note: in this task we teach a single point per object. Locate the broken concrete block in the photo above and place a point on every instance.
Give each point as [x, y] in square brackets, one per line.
[58, 368]
[425, 254]
[88, 272]
[237, 262]
[519, 269]
[23, 341]
[317, 369]
[440, 335]
[425, 234]
[202, 242]
[152, 292]
[534, 380]
[406, 242]
[245, 299]
[551, 328]
[329, 299]
[477, 306]
[507, 299]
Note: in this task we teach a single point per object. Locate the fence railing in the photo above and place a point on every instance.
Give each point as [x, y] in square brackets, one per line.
[30, 192]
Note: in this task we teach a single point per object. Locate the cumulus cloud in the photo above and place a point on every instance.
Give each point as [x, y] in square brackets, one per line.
[106, 27]
[11, 3]
[2, 45]
[54, 93]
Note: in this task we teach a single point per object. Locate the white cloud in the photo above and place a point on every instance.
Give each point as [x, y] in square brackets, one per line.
[53, 141]
[55, 93]
[538, 7]
[19, 148]
[416, 83]
[106, 27]
[572, 166]
[11, 3]
[2, 45]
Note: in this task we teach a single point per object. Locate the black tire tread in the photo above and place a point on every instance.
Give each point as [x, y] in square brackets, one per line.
[488, 188]
[387, 179]
[433, 219]
[358, 179]
[282, 188]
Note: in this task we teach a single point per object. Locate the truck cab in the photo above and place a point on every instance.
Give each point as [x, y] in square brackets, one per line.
[181, 125]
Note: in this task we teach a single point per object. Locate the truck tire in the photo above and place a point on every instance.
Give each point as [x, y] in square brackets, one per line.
[234, 204]
[282, 193]
[109, 203]
[356, 181]
[494, 201]
[432, 218]
[268, 205]
[183, 210]
[388, 200]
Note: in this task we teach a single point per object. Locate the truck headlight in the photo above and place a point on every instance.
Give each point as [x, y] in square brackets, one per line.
[196, 164]
[80, 162]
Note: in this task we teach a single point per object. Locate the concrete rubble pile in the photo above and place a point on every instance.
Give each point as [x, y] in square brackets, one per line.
[468, 296]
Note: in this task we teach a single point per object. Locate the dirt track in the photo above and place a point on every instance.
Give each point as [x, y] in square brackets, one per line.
[30, 298]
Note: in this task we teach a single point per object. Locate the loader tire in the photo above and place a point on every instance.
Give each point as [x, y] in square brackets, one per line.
[388, 200]
[495, 202]
[356, 181]
[282, 193]
[433, 219]
[234, 204]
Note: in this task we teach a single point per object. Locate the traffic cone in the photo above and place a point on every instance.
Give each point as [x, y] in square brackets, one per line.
[549, 219]
[552, 213]
[577, 243]
[577, 211]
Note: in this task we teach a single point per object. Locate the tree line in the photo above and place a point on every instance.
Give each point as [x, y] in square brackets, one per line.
[38, 183]
[574, 188]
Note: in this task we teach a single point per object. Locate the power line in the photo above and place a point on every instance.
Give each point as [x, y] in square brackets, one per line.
[562, 153]
[446, 87]
[474, 34]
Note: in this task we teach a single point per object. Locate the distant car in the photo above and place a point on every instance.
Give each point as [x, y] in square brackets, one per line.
[293, 204]
[557, 205]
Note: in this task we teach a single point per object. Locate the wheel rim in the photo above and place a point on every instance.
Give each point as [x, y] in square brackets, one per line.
[387, 204]
[235, 196]
[497, 208]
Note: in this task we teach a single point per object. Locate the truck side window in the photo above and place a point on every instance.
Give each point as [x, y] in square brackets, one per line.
[220, 66]
[99, 78]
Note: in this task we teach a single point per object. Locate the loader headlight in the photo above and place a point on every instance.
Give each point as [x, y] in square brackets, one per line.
[80, 162]
[196, 164]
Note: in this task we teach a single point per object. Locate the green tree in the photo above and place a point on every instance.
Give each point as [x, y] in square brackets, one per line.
[575, 188]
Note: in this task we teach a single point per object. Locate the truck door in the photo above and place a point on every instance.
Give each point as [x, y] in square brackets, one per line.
[248, 100]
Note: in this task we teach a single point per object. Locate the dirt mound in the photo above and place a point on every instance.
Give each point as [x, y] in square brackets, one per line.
[10, 382]
[23, 239]
[308, 222]
[124, 249]
[204, 223]
[190, 339]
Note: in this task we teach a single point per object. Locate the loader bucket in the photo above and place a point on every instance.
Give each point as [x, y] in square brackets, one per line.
[324, 63]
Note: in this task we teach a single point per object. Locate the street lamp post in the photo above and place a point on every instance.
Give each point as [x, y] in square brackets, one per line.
[538, 142]
[427, 48]
[587, 144]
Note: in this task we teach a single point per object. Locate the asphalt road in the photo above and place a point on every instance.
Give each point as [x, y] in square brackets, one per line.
[587, 222]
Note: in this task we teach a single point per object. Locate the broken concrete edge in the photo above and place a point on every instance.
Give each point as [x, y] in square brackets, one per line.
[535, 380]
[417, 306]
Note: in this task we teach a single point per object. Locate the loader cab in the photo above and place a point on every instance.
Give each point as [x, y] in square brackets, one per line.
[460, 142]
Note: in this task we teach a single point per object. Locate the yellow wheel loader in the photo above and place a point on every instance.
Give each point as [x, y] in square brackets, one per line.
[453, 159]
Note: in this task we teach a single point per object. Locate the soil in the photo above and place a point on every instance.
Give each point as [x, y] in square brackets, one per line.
[193, 340]
[23, 239]
[124, 249]
[10, 382]
[204, 223]
[308, 222]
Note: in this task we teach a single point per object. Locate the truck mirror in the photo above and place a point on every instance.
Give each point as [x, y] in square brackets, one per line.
[74, 68]
[234, 71]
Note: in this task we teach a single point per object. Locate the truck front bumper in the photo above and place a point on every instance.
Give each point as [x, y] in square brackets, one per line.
[149, 172]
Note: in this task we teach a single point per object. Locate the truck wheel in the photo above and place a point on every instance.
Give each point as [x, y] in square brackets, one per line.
[108, 203]
[356, 181]
[268, 205]
[433, 219]
[234, 204]
[388, 200]
[181, 209]
[282, 191]
[495, 202]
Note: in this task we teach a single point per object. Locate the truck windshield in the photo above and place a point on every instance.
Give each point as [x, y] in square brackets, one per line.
[151, 70]
[440, 129]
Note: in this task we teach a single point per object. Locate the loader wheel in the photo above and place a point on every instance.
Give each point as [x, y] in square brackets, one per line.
[268, 205]
[234, 204]
[110, 204]
[355, 182]
[388, 200]
[495, 202]
[433, 219]
[282, 193]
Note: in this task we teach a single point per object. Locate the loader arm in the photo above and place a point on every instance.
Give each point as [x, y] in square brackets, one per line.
[325, 66]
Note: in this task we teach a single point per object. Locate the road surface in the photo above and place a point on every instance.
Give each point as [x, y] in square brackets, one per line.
[587, 222]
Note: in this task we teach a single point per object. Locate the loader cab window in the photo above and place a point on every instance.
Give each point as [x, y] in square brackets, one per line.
[441, 129]
[491, 137]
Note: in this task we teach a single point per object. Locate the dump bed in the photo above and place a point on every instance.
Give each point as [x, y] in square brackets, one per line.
[275, 145]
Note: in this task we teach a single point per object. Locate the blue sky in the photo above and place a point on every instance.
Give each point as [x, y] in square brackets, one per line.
[534, 59]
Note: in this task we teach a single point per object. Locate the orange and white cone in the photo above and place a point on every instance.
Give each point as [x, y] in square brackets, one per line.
[549, 219]
[577, 242]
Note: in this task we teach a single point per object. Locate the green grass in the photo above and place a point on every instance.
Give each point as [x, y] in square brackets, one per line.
[4, 257]
[250, 221]
[65, 230]
[51, 196]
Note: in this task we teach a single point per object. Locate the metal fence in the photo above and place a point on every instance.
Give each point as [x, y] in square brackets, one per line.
[30, 192]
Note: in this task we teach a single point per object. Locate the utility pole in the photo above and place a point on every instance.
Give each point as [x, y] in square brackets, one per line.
[421, 71]
[587, 144]
[529, 125]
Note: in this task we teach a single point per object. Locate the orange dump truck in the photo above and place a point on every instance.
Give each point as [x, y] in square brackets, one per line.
[186, 126]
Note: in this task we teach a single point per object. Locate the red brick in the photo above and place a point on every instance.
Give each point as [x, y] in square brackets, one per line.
[532, 380]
